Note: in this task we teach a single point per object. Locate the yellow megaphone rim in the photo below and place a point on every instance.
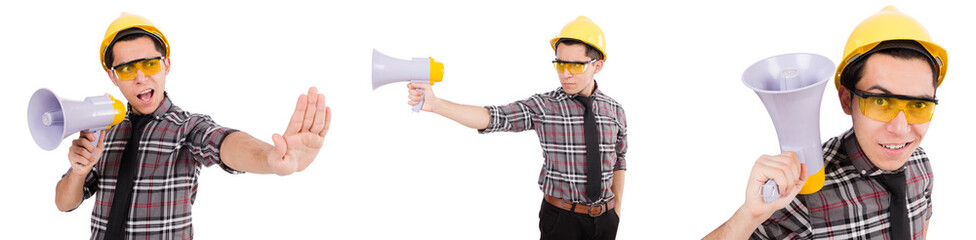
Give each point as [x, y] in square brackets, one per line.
[436, 71]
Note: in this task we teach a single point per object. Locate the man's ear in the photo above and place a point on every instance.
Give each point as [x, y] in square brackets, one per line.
[112, 77]
[166, 64]
[598, 65]
[845, 99]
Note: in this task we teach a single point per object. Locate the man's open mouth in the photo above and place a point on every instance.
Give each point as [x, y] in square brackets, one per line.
[146, 96]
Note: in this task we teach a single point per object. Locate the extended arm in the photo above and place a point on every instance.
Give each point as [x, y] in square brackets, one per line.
[293, 151]
[245, 153]
[475, 117]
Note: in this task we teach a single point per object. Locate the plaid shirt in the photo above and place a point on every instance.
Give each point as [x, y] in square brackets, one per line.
[557, 119]
[172, 147]
[852, 204]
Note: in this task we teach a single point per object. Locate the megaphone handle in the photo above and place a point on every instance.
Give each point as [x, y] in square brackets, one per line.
[418, 106]
[769, 191]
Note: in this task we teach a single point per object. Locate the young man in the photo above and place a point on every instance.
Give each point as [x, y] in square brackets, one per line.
[583, 134]
[145, 169]
[878, 180]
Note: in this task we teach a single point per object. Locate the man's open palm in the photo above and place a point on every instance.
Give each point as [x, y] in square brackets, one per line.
[303, 138]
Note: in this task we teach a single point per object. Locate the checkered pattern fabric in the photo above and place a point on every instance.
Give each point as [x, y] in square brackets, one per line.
[558, 121]
[172, 148]
[852, 204]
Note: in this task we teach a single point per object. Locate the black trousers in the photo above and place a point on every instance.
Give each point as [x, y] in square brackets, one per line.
[556, 223]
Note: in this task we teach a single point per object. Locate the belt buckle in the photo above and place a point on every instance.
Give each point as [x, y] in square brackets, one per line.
[602, 209]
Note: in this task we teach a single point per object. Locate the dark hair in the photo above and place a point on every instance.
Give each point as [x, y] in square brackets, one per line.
[855, 71]
[591, 51]
[109, 54]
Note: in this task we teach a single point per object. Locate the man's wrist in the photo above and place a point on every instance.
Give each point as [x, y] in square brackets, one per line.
[748, 219]
[434, 104]
[78, 173]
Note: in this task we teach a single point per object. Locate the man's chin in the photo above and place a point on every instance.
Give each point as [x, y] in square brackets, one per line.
[571, 90]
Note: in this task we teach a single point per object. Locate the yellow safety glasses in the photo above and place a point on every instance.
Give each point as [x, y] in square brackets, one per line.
[573, 67]
[127, 71]
[884, 107]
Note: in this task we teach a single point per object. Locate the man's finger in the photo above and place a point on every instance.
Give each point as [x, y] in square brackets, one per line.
[776, 171]
[280, 145]
[310, 109]
[794, 162]
[85, 141]
[101, 140]
[803, 172]
[328, 121]
[296, 117]
[319, 122]
[82, 153]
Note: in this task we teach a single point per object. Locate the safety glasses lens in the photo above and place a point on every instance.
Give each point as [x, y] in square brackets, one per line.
[149, 67]
[885, 109]
[574, 68]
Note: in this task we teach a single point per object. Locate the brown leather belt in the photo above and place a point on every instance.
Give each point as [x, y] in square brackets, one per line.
[592, 210]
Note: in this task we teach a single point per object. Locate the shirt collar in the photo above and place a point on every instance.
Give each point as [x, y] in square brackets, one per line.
[160, 111]
[562, 95]
[860, 161]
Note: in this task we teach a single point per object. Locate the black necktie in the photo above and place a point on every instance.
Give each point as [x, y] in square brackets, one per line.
[898, 210]
[121, 201]
[594, 172]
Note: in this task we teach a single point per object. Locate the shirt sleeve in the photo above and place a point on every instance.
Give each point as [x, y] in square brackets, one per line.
[621, 146]
[791, 222]
[204, 140]
[928, 196]
[90, 187]
[515, 117]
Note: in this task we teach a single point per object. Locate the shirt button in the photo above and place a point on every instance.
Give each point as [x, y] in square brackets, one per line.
[864, 172]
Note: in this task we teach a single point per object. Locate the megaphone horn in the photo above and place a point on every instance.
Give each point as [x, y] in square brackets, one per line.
[388, 70]
[791, 87]
[52, 119]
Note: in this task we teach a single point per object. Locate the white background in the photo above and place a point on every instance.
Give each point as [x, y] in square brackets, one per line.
[386, 172]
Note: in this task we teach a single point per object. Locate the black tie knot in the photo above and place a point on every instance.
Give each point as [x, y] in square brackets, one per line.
[586, 101]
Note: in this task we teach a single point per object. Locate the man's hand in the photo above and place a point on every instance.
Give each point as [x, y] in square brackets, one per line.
[789, 174]
[303, 138]
[83, 154]
[415, 96]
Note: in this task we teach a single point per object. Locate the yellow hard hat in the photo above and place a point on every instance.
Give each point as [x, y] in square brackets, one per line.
[585, 30]
[124, 22]
[889, 24]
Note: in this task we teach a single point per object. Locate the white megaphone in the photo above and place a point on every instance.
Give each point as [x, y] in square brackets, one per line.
[388, 70]
[791, 86]
[52, 119]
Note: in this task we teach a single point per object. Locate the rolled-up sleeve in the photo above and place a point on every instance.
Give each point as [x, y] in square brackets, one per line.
[621, 146]
[204, 140]
[515, 117]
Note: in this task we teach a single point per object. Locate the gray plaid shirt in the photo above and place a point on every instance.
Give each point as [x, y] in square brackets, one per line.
[852, 205]
[172, 148]
[557, 119]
